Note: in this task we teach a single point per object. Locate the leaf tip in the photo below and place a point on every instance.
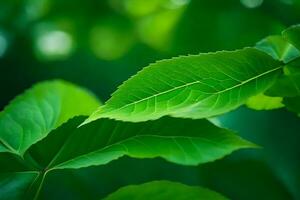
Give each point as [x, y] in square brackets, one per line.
[87, 121]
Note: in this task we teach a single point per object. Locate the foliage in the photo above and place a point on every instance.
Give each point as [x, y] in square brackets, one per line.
[97, 143]
[161, 190]
[162, 112]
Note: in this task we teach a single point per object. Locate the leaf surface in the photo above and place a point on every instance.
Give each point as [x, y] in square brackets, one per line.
[292, 34]
[14, 186]
[288, 84]
[44, 107]
[3, 148]
[264, 102]
[196, 86]
[162, 190]
[182, 141]
[293, 104]
[278, 48]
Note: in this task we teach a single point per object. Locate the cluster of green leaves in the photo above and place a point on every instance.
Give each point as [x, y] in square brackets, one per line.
[160, 112]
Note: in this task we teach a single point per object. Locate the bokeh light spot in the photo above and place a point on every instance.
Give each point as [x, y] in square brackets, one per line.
[156, 30]
[252, 3]
[174, 4]
[36, 8]
[54, 44]
[111, 39]
[288, 2]
[3, 45]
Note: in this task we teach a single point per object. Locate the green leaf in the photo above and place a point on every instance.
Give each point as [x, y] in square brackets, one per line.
[288, 84]
[162, 190]
[105, 140]
[196, 86]
[48, 143]
[292, 34]
[278, 48]
[285, 87]
[3, 148]
[293, 104]
[14, 186]
[12, 163]
[264, 102]
[41, 109]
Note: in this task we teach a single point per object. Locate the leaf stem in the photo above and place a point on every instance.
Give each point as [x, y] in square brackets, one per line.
[33, 163]
[43, 174]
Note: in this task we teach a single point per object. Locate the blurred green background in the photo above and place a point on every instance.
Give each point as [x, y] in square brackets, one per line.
[100, 43]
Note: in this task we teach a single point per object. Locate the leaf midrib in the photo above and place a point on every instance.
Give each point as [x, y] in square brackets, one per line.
[138, 136]
[192, 83]
[8, 147]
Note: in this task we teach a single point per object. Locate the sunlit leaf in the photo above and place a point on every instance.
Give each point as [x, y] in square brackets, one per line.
[264, 102]
[42, 111]
[196, 86]
[32, 115]
[278, 48]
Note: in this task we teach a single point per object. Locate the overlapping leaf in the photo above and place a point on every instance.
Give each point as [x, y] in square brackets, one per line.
[32, 115]
[16, 185]
[264, 102]
[283, 48]
[196, 86]
[288, 85]
[33, 125]
[105, 140]
[293, 104]
[292, 34]
[292, 72]
[29, 118]
[18, 179]
[162, 190]
[35, 139]
[278, 48]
